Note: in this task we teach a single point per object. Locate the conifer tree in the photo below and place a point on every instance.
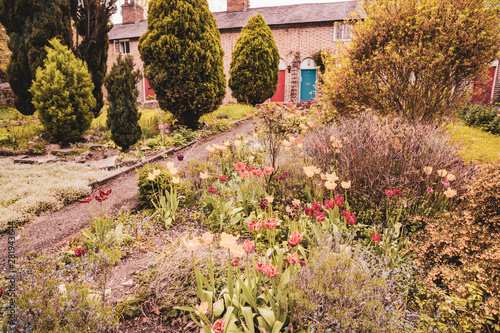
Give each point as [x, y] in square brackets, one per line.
[123, 115]
[62, 93]
[255, 61]
[30, 24]
[4, 53]
[92, 23]
[182, 56]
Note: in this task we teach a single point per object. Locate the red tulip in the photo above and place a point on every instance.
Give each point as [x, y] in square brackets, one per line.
[270, 224]
[339, 200]
[260, 267]
[316, 206]
[248, 246]
[296, 238]
[219, 326]
[329, 204]
[320, 216]
[376, 238]
[235, 262]
[294, 259]
[308, 211]
[351, 220]
[271, 271]
[212, 190]
[87, 199]
[222, 178]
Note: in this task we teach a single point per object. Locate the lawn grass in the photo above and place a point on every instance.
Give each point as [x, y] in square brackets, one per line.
[478, 146]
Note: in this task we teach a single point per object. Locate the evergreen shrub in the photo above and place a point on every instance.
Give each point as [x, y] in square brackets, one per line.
[123, 114]
[182, 56]
[255, 63]
[62, 94]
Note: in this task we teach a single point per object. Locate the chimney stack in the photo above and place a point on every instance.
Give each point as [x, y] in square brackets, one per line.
[237, 5]
[131, 12]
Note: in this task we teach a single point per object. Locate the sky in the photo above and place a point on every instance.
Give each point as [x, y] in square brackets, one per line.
[220, 5]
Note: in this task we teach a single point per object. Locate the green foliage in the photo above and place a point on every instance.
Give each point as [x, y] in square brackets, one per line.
[4, 53]
[254, 66]
[182, 56]
[149, 189]
[30, 25]
[123, 116]
[485, 117]
[62, 94]
[416, 58]
[93, 22]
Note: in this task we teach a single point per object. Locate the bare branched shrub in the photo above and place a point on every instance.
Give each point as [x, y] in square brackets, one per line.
[346, 289]
[384, 153]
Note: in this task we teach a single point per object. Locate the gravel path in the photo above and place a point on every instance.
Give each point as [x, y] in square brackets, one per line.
[47, 231]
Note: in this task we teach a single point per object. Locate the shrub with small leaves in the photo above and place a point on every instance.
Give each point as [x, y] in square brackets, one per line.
[461, 255]
[62, 93]
[485, 117]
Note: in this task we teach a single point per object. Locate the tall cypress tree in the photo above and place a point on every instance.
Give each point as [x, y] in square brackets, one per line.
[255, 61]
[123, 115]
[182, 56]
[92, 22]
[30, 25]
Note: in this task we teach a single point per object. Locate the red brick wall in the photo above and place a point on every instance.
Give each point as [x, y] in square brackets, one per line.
[295, 43]
[132, 13]
[134, 52]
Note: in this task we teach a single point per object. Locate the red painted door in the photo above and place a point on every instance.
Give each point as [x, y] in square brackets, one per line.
[279, 95]
[482, 90]
[148, 90]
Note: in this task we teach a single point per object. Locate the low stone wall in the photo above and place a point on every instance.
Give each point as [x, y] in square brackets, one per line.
[6, 94]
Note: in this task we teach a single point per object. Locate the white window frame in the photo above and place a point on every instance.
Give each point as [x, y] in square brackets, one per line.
[345, 34]
[120, 45]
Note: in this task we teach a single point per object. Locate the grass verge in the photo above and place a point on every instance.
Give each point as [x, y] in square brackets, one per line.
[478, 146]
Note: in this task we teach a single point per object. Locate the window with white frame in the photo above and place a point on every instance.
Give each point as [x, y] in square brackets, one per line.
[342, 32]
[122, 46]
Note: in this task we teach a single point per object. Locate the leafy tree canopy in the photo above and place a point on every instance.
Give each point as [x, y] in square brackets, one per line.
[416, 58]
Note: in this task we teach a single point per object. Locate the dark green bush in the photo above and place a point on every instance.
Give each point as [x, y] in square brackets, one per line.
[485, 117]
[182, 56]
[62, 94]
[123, 115]
[254, 65]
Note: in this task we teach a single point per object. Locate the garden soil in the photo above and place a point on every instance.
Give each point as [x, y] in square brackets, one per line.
[49, 232]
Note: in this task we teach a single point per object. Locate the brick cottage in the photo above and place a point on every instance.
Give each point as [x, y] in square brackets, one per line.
[299, 31]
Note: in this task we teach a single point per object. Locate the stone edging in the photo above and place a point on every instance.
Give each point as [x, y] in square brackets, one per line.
[100, 182]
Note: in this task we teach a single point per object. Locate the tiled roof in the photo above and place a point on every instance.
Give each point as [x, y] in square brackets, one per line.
[291, 14]
[280, 15]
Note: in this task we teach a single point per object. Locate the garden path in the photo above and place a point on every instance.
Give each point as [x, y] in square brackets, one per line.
[46, 232]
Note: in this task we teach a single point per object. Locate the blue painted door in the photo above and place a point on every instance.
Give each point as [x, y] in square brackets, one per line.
[307, 84]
